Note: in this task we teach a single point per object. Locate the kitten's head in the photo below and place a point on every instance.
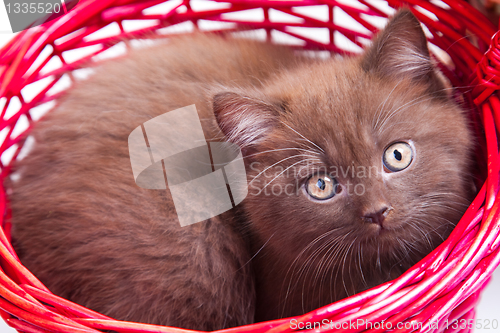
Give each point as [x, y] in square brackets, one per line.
[366, 155]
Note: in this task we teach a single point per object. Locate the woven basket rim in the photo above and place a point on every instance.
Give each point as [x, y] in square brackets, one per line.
[443, 286]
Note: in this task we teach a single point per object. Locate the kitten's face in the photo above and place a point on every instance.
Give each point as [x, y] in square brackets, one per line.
[361, 159]
[383, 162]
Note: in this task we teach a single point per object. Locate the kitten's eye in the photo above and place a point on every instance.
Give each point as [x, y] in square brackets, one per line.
[398, 156]
[322, 187]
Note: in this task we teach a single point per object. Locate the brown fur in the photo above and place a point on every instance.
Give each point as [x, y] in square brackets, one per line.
[92, 236]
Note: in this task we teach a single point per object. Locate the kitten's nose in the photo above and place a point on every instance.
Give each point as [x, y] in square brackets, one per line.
[378, 216]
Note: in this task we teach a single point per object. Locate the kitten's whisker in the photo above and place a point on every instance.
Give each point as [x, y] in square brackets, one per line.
[360, 255]
[443, 195]
[281, 149]
[438, 216]
[402, 246]
[304, 143]
[381, 107]
[280, 161]
[426, 234]
[387, 128]
[411, 246]
[432, 230]
[378, 265]
[306, 265]
[343, 266]
[327, 245]
[402, 108]
[331, 264]
[311, 244]
[315, 145]
[321, 268]
[340, 270]
[442, 204]
[316, 252]
[256, 253]
[309, 165]
[282, 172]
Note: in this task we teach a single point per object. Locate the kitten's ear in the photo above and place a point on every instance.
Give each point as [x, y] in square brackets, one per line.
[400, 51]
[244, 120]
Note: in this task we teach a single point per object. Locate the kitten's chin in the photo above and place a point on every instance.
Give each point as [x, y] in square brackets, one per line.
[377, 229]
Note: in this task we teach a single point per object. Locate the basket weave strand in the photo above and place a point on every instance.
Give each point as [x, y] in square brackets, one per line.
[443, 287]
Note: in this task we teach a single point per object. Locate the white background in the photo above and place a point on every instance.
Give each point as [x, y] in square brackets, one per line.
[489, 306]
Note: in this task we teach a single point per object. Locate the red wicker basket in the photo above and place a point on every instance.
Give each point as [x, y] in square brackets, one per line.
[41, 63]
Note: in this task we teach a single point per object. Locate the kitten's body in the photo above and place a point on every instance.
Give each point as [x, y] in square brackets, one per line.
[91, 235]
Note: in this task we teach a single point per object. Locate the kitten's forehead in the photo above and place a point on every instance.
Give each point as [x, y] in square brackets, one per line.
[352, 114]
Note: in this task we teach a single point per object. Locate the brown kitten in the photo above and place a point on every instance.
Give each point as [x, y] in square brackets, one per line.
[332, 118]
[306, 234]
